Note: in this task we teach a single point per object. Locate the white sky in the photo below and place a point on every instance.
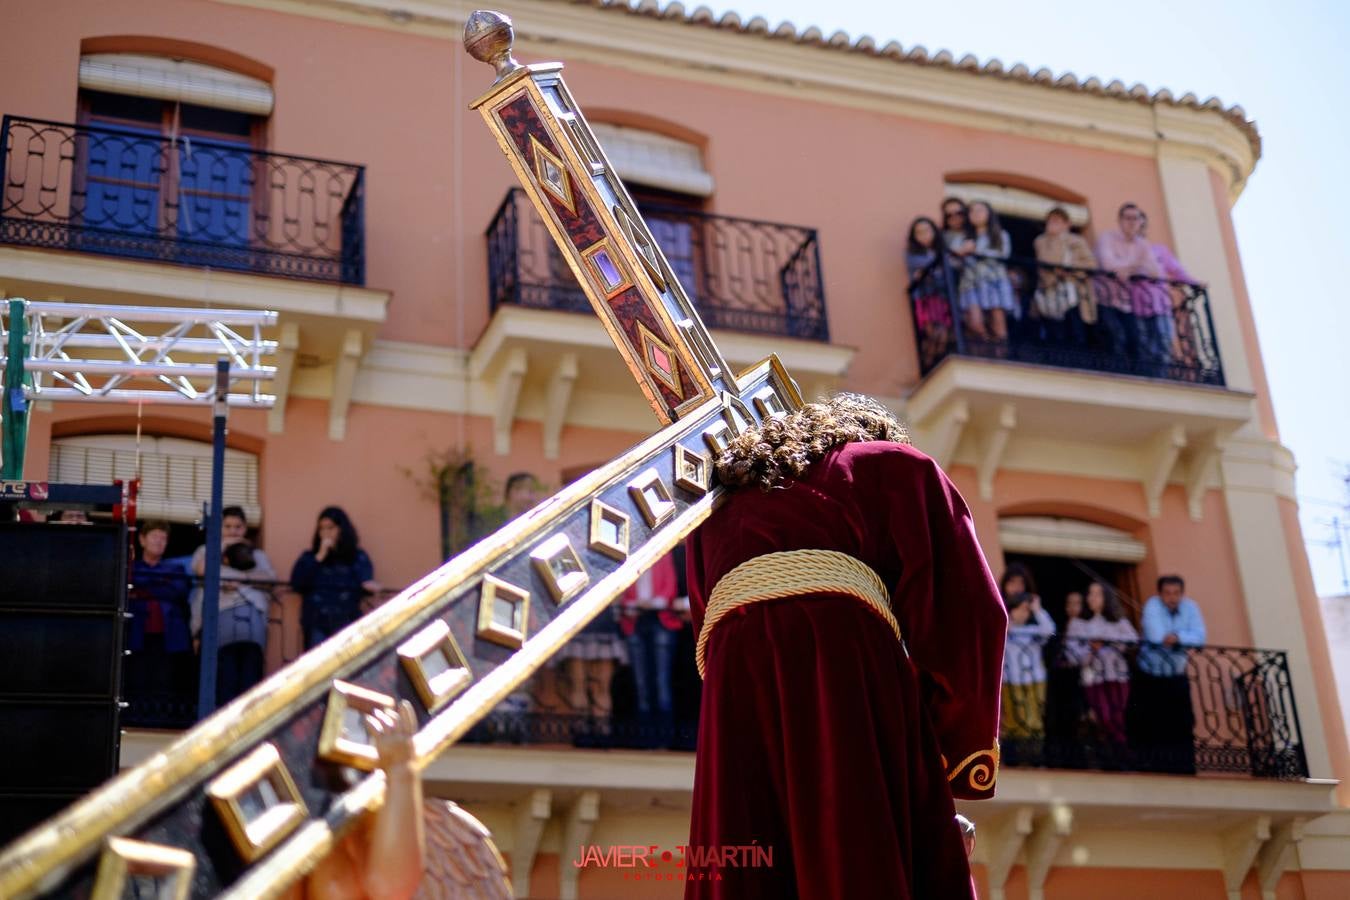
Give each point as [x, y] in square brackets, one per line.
[1285, 64]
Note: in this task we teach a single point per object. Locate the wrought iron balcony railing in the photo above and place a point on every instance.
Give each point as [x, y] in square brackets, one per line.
[742, 275]
[140, 195]
[1066, 704]
[1067, 317]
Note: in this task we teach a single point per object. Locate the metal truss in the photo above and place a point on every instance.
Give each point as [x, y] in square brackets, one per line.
[139, 354]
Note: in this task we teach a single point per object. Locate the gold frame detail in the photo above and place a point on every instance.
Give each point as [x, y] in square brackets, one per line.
[655, 514]
[334, 745]
[648, 341]
[262, 766]
[718, 438]
[702, 475]
[768, 402]
[586, 149]
[489, 629]
[563, 196]
[643, 246]
[440, 689]
[123, 857]
[600, 511]
[571, 584]
[625, 280]
[733, 409]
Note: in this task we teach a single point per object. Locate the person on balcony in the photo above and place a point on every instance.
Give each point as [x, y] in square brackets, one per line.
[158, 634]
[1064, 296]
[1064, 699]
[1160, 716]
[1029, 629]
[1183, 337]
[851, 640]
[651, 627]
[1100, 641]
[1137, 315]
[927, 290]
[986, 291]
[332, 577]
[241, 626]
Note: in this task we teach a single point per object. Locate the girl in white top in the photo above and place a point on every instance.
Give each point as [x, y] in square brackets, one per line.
[1097, 641]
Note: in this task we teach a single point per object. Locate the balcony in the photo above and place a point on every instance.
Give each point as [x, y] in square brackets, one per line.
[1152, 328]
[743, 275]
[190, 202]
[1132, 368]
[1240, 700]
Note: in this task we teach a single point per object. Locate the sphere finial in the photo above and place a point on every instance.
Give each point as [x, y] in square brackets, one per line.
[488, 37]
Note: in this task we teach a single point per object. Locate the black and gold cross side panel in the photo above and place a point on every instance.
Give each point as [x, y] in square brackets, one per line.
[600, 233]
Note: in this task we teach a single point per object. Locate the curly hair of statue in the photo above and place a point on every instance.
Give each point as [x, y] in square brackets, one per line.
[783, 447]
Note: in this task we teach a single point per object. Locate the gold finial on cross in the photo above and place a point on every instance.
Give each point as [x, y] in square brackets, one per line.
[488, 37]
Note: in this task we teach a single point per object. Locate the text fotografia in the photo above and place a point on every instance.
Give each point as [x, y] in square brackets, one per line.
[699, 862]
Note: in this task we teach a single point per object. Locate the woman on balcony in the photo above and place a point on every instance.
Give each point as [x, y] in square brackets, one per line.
[1099, 640]
[332, 576]
[1063, 297]
[986, 290]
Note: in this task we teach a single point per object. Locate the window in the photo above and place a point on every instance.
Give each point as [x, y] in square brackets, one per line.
[175, 472]
[172, 154]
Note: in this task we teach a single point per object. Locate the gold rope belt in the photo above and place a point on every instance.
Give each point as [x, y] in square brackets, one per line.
[793, 573]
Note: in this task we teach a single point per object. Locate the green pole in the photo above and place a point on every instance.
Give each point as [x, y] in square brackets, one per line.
[13, 405]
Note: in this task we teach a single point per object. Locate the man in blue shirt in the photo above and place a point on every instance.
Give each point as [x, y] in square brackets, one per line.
[1161, 717]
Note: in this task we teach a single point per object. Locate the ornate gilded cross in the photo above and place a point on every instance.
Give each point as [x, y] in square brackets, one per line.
[250, 799]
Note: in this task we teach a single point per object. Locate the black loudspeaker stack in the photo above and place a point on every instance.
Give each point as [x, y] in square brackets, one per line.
[63, 595]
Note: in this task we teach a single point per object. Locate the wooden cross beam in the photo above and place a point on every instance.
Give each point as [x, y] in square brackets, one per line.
[252, 798]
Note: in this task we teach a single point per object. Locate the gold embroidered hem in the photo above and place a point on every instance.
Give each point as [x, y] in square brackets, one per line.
[979, 769]
[793, 573]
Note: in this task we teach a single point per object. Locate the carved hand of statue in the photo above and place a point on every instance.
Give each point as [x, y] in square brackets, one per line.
[393, 735]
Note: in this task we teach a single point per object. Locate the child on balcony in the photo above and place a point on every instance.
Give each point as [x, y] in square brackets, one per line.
[932, 311]
[986, 290]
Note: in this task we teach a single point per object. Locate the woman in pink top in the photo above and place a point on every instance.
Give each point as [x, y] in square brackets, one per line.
[1097, 640]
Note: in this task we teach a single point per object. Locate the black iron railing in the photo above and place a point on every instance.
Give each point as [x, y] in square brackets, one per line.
[140, 195]
[1066, 317]
[742, 275]
[1075, 703]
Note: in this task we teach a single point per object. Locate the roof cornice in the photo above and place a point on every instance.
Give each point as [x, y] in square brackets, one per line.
[840, 69]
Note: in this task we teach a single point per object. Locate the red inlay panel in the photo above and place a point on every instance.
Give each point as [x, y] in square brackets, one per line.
[522, 123]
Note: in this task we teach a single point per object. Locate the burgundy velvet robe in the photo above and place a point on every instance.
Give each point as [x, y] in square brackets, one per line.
[819, 737]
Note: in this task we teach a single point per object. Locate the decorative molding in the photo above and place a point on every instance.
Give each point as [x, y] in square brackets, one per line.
[1202, 472]
[914, 83]
[1276, 855]
[94, 278]
[1159, 457]
[344, 378]
[577, 828]
[995, 441]
[1004, 838]
[1239, 846]
[1042, 844]
[531, 817]
[555, 407]
[943, 433]
[288, 342]
[508, 395]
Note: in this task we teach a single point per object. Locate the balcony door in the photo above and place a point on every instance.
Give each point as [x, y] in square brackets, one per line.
[166, 180]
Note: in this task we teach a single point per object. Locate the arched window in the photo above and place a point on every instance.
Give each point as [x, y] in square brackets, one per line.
[175, 472]
[654, 160]
[1064, 555]
[1020, 207]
